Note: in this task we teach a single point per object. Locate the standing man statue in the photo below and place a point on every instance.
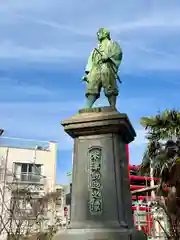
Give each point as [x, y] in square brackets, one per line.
[102, 69]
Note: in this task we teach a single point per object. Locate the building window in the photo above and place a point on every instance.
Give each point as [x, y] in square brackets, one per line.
[28, 172]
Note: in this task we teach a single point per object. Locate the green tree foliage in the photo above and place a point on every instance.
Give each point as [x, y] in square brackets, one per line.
[163, 133]
[163, 154]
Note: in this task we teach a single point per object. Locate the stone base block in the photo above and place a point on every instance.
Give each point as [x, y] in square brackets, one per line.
[100, 234]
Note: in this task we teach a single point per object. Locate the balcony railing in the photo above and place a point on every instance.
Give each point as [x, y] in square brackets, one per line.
[29, 177]
[27, 214]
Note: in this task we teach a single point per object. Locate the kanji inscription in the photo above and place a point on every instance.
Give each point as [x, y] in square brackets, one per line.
[95, 184]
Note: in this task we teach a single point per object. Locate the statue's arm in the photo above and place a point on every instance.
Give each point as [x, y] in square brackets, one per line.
[89, 64]
[114, 50]
[115, 53]
[88, 68]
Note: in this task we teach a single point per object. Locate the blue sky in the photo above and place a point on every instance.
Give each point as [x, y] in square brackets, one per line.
[44, 46]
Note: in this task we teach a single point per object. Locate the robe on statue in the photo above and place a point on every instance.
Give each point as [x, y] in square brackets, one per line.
[103, 74]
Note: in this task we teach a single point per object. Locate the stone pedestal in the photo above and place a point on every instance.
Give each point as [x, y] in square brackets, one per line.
[101, 206]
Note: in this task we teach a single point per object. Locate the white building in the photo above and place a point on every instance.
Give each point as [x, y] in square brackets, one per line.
[26, 167]
[35, 166]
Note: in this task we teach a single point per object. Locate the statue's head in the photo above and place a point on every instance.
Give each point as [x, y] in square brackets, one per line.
[102, 34]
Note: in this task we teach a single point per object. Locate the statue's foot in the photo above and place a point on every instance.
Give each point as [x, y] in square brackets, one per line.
[112, 101]
[90, 101]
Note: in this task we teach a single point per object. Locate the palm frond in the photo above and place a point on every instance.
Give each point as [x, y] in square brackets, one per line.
[162, 126]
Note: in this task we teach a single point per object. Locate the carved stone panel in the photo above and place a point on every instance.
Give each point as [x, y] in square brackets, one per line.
[95, 181]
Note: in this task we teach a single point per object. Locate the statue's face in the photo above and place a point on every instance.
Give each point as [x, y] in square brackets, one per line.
[100, 35]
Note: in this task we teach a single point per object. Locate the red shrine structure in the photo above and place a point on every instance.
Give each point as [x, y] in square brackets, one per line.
[142, 214]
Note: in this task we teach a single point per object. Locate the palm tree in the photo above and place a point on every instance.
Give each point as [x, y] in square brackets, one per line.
[163, 154]
[163, 133]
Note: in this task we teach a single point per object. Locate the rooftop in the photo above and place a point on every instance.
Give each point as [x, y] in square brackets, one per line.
[24, 143]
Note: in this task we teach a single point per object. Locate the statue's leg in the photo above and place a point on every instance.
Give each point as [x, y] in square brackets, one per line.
[112, 101]
[93, 92]
[110, 88]
[90, 100]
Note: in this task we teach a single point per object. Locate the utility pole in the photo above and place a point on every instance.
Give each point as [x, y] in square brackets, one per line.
[153, 197]
[4, 182]
[152, 181]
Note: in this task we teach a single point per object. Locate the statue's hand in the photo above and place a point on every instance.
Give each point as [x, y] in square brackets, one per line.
[104, 58]
[84, 79]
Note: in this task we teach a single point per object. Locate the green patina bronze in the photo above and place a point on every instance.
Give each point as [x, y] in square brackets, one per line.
[102, 69]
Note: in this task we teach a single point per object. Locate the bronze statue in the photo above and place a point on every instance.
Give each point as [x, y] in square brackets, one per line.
[102, 69]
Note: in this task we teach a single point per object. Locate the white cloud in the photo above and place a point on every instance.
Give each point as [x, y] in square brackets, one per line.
[9, 50]
[162, 20]
[42, 31]
[22, 89]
